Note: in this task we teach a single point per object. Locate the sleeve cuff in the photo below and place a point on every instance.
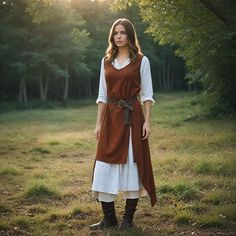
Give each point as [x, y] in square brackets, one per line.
[101, 99]
[147, 98]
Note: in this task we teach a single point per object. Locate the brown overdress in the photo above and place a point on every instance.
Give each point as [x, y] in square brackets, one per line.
[113, 142]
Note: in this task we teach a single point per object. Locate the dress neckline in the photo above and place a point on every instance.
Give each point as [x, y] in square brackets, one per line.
[122, 64]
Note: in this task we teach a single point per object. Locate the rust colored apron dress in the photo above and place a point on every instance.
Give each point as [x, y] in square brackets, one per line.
[113, 143]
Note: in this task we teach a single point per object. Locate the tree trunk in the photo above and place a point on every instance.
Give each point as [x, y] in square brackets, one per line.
[164, 76]
[189, 87]
[216, 11]
[89, 89]
[43, 85]
[168, 75]
[46, 88]
[41, 88]
[192, 86]
[160, 78]
[22, 90]
[172, 76]
[66, 85]
[2, 84]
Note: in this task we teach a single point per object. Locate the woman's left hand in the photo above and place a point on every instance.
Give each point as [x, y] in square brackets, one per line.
[146, 130]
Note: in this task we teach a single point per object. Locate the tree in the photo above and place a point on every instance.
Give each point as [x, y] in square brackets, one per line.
[47, 47]
[99, 30]
[204, 32]
[52, 49]
[68, 41]
[14, 44]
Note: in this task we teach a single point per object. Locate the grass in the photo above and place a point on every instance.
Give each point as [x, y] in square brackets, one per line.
[3, 226]
[47, 156]
[37, 210]
[40, 150]
[217, 197]
[216, 167]
[21, 222]
[39, 190]
[182, 191]
[5, 210]
[210, 220]
[183, 217]
[228, 211]
[8, 171]
[79, 213]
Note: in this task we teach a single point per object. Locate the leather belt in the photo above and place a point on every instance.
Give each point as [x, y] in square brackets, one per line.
[126, 104]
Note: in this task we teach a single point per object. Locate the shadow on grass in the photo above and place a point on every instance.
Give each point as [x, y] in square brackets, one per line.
[117, 232]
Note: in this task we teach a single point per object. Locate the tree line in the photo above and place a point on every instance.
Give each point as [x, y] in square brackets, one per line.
[205, 34]
[52, 49]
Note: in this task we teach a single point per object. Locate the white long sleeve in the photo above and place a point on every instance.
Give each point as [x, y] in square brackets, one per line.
[102, 92]
[146, 81]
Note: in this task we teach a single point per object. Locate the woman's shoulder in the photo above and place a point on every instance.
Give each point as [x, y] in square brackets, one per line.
[103, 59]
[144, 60]
[143, 57]
[104, 62]
[140, 55]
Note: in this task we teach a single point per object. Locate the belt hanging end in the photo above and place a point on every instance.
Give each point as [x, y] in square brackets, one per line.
[127, 117]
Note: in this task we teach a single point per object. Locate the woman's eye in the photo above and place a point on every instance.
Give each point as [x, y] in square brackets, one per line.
[121, 32]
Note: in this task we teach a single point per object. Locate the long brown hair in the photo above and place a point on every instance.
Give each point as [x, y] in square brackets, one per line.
[133, 44]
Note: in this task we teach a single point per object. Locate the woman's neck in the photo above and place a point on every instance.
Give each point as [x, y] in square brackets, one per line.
[123, 52]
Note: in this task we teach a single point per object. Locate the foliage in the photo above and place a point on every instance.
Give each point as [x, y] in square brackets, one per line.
[205, 33]
[52, 49]
[43, 48]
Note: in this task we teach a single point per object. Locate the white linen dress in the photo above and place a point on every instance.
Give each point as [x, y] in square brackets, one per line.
[110, 179]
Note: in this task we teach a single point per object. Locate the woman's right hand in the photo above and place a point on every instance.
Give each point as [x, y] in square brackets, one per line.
[97, 131]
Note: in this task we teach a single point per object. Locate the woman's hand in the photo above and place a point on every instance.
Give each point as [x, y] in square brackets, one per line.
[146, 130]
[97, 131]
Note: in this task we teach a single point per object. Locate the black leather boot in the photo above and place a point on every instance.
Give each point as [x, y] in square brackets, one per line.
[109, 218]
[128, 216]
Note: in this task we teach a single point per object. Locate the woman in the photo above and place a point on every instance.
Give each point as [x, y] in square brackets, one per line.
[123, 158]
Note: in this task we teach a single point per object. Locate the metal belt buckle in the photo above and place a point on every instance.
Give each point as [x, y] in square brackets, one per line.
[121, 103]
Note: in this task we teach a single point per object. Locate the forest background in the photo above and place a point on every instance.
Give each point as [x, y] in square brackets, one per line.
[50, 50]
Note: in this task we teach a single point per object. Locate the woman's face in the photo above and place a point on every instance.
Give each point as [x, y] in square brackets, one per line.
[120, 36]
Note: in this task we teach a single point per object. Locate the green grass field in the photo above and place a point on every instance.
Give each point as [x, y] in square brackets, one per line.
[47, 157]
